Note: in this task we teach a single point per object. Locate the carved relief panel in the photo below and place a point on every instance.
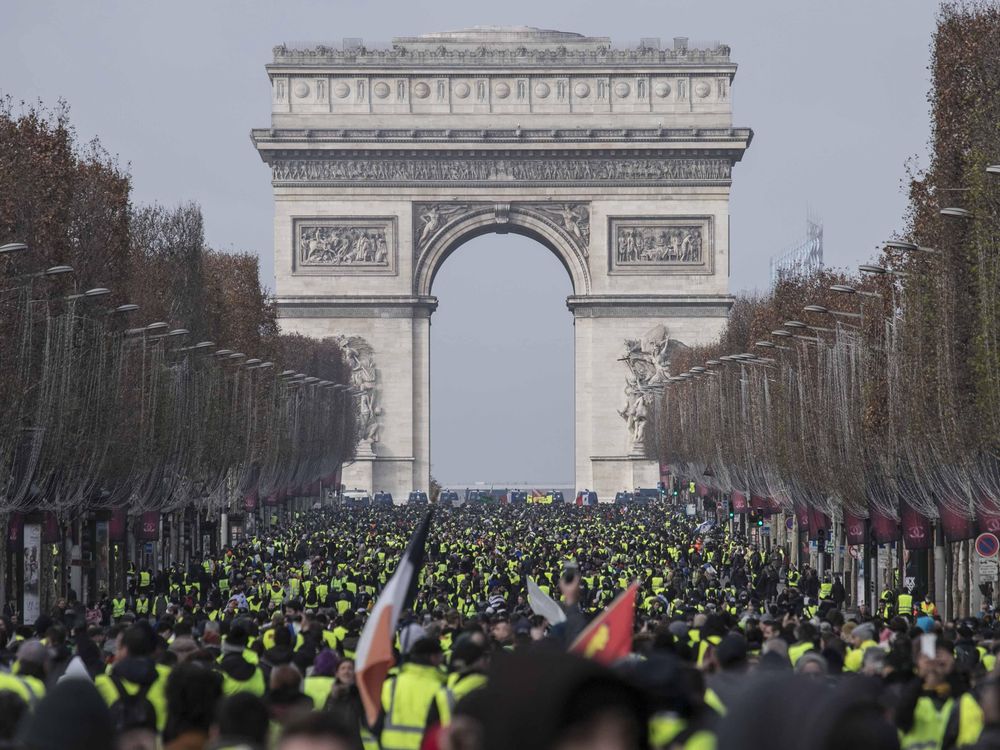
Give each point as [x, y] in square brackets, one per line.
[661, 245]
[344, 245]
[571, 220]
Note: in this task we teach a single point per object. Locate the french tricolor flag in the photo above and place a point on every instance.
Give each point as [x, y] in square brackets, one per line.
[374, 655]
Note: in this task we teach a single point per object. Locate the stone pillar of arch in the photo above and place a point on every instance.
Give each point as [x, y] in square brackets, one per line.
[618, 161]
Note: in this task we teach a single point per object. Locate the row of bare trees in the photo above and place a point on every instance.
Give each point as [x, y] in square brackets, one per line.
[876, 394]
[138, 367]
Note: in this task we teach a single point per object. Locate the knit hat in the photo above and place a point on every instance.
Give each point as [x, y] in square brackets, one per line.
[184, 646]
[865, 631]
[33, 652]
[326, 663]
[409, 635]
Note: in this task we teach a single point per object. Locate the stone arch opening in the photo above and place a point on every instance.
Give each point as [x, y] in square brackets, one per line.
[501, 356]
[562, 228]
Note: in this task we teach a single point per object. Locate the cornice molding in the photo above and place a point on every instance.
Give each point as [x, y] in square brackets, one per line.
[740, 137]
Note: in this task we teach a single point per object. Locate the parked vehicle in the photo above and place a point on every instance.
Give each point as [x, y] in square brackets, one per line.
[586, 497]
[357, 498]
[383, 498]
[450, 498]
[417, 498]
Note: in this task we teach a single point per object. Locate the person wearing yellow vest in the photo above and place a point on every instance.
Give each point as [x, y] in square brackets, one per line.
[239, 673]
[904, 603]
[861, 639]
[407, 696]
[792, 578]
[134, 671]
[31, 668]
[805, 640]
[118, 606]
[826, 589]
[142, 605]
[927, 606]
[318, 684]
[943, 715]
[469, 662]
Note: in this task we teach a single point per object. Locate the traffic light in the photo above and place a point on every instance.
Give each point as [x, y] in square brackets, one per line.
[760, 519]
[86, 542]
[757, 517]
[732, 513]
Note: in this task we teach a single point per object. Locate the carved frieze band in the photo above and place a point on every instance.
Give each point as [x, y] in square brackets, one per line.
[671, 245]
[506, 55]
[512, 172]
[345, 245]
[571, 220]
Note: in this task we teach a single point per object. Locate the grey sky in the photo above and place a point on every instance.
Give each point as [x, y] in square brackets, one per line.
[835, 92]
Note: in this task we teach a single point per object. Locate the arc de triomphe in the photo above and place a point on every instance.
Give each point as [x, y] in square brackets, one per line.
[619, 161]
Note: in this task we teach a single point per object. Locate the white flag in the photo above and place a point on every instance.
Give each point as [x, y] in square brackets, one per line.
[544, 605]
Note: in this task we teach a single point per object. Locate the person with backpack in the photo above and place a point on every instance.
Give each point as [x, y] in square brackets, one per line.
[134, 685]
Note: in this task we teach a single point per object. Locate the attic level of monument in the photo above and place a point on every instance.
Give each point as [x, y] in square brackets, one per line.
[510, 46]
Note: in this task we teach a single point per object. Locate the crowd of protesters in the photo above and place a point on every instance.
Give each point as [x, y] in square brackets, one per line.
[732, 646]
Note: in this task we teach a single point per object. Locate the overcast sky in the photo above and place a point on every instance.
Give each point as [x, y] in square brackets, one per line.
[835, 92]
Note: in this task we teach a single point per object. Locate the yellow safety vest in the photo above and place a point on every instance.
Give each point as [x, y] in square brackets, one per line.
[797, 650]
[406, 699]
[318, 688]
[255, 685]
[930, 723]
[118, 608]
[156, 693]
[904, 604]
[448, 696]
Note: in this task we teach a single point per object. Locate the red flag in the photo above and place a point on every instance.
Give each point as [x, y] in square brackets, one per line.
[854, 526]
[118, 525]
[884, 528]
[818, 521]
[609, 637]
[802, 515]
[250, 500]
[149, 526]
[916, 528]
[988, 517]
[956, 526]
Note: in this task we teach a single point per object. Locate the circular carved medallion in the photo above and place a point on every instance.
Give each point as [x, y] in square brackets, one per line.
[301, 89]
[421, 90]
[381, 89]
[622, 89]
[662, 90]
[582, 90]
[502, 90]
[701, 89]
[542, 89]
[341, 90]
[462, 90]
